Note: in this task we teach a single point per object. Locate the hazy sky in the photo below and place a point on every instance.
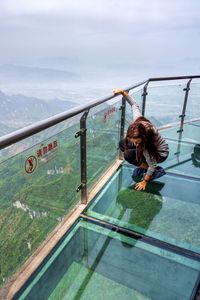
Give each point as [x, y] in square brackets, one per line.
[148, 36]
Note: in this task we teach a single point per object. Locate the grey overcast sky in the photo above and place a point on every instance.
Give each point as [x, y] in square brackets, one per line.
[149, 36]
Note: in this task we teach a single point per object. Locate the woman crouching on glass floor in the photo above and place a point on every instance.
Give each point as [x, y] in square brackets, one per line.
[143, 146]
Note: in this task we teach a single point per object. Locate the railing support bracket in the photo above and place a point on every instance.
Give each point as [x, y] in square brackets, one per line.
[81, 132]
[144, 97]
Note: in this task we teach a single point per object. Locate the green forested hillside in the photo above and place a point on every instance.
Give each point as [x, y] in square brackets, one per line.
[31, 205]
[19, 237]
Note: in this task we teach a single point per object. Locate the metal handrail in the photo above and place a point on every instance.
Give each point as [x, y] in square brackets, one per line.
[174, 78]
[32, 129]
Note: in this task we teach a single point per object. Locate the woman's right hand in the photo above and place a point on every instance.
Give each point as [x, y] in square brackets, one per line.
[119, 91]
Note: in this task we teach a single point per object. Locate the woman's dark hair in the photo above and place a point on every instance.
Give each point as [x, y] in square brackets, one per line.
[149, 136]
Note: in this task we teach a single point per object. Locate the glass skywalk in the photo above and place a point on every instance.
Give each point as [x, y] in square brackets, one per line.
[126, 244]
[94, 262]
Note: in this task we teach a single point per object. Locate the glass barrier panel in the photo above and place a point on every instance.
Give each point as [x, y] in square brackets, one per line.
[188, 133]
[193, 103]
[184, 146]
[36, 138]
[164, 104]
[138, 96]
[183, 159]
[103, 130]
[37, 189]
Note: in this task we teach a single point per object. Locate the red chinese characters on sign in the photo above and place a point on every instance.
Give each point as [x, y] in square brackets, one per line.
[39, 153]
[50, 147]
[108, 113]
[46, 149]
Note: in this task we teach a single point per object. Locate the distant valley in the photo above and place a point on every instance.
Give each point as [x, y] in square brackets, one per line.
[18, 111]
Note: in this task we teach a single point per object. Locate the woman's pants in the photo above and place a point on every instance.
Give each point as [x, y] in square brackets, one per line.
[131, 157]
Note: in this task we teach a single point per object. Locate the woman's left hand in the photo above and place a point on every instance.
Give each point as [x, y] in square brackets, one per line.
[141, 185]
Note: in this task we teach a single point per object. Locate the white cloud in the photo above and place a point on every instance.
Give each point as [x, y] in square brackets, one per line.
[29, 6]
[128, 11]
[134, 9]
[99, 30]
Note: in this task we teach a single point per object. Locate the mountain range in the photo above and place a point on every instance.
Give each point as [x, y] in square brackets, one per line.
[17, 73]
[18, 111]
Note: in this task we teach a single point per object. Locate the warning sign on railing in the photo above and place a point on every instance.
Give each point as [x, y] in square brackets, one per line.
[42, 155]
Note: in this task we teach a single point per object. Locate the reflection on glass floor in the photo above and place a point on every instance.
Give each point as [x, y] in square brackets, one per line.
[93, 262]
[168, 210]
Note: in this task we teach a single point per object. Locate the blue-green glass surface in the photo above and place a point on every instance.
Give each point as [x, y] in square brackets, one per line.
[193, 103]
[164, 104]
[182, 158]
[190, 133]
[183, 162]
[196, 123]
[168, 210]
[103, 127]
[93, 262]
[129, 114]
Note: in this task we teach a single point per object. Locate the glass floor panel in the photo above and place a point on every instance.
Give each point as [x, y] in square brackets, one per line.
[168, 210]
[93, 262]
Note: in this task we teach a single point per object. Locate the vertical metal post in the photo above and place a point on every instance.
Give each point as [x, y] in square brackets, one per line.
[182, 116]
[123, 110]
[144, 97]
[83, 159]
[82, 134]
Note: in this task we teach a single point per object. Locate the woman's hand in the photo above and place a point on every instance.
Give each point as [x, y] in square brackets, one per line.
[141, 185]
[119, 91]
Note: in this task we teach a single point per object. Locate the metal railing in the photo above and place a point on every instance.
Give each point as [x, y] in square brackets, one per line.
[30, 130]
